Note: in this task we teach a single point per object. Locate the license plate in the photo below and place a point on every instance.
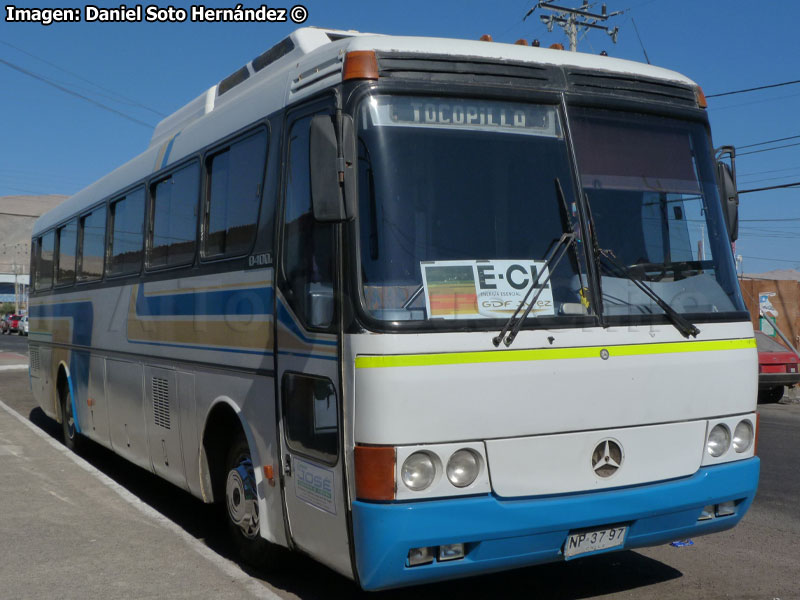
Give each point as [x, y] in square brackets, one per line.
[593, 540]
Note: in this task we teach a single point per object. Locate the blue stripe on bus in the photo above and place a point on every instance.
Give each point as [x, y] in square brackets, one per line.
[82, 315]
[240, 302]
[286, 318]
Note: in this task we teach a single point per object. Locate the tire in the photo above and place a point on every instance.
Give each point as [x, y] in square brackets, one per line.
[771, 395]
[240, 507]
[72, 439]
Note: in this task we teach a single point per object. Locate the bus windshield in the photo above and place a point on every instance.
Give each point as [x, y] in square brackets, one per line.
[653, 197]
[458, 209]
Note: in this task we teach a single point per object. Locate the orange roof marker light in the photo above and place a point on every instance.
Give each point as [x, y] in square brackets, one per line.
[360, 64]
[701, 97]
[486, 38]
[521, 42]
[556, 46]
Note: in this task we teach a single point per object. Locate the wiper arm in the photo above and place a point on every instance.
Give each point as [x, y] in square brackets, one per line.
[681, 324]
[513, 325]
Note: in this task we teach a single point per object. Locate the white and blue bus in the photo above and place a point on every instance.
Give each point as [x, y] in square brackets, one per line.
[418, 308]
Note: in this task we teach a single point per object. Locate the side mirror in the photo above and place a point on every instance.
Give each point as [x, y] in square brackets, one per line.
[332, 169]
[729, 194]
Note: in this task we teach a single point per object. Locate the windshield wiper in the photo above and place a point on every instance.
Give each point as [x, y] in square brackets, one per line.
[567, 238]
[682, 325]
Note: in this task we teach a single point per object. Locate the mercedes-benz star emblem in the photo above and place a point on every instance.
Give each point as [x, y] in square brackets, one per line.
[606, 458]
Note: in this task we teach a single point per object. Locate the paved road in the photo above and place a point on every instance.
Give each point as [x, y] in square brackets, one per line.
[14, 343]
[758, 559]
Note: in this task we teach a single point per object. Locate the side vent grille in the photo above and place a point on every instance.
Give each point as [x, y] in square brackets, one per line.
[631, 86]
[35, 364]
[161, 402]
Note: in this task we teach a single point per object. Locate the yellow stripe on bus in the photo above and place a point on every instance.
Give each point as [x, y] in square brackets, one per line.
[493, 356]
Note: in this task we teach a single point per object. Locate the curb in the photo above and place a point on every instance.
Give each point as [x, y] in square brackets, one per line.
[229, 568]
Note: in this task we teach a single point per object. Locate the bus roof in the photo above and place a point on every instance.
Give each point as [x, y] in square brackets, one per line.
[308, 60]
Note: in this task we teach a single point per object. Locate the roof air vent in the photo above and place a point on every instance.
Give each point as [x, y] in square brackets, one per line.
[280, 49]
[233, 80]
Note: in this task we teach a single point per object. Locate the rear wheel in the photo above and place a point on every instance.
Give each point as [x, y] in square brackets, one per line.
[72, 439]
[241, 507]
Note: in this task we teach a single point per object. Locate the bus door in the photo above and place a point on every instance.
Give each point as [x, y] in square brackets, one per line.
[307, 363]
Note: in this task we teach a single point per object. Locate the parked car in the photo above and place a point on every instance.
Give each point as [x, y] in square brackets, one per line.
[11, 324]
[23, 325]
[777, 367]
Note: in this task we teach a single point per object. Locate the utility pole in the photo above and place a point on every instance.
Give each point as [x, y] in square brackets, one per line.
[16, 289]
[575, 20]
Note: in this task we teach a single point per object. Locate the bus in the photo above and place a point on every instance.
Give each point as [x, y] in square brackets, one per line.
[418, 308]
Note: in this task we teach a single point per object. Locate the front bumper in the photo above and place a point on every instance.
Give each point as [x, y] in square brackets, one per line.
[502, 534]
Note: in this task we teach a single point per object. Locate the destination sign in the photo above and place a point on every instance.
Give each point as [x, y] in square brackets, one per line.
[464, 114]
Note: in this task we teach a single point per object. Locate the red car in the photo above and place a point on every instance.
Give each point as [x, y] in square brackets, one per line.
[777, 367]
[11, 324]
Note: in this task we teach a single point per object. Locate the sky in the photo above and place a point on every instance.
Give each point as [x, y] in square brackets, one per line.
[55, 142]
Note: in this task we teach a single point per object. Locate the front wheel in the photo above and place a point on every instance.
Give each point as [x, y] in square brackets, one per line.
[241, 507]
[72, 439]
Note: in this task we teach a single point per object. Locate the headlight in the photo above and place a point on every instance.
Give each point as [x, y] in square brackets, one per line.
[463, 467]
[743, 436]
[719, 440]
[418, 471]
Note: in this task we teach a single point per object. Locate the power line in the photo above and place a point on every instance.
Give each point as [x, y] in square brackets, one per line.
[767, 149]
[73, 93]
[717, 109]
[775, 259]
[772, 187]
[7, 214]
[129, 101]
[765, 179]
[636, 29]
[754, 89]
[770, 171]
[766, 220]
[783, 139]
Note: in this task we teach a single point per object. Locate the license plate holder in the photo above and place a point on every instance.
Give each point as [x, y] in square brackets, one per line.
[592, 540]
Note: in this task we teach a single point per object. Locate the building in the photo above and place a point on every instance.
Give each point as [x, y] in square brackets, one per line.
[776, 293]
[17, 216]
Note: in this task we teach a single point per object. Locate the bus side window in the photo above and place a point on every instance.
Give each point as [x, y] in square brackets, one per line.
[235, 177]
[65, 258]
[127, 234]
[44, 266]
[173, 225]
[307, 244]
[92, 245]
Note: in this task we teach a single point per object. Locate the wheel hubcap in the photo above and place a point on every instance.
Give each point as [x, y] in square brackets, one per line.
[241, 497]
